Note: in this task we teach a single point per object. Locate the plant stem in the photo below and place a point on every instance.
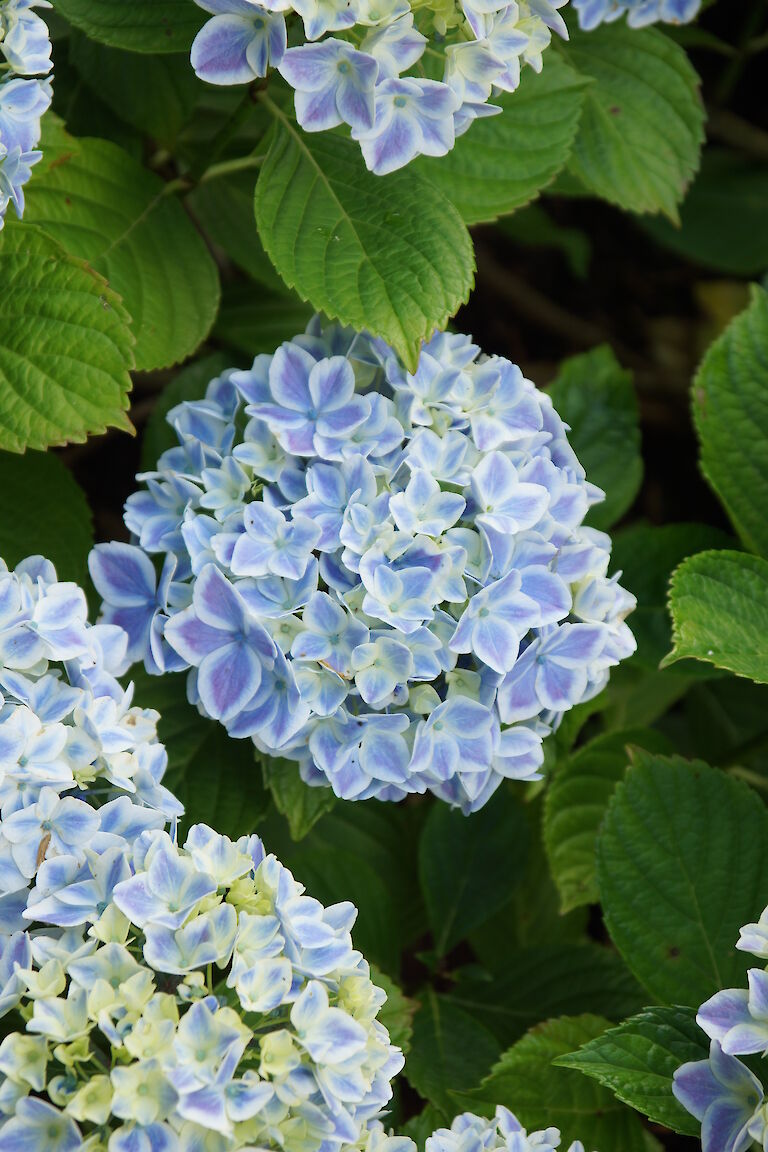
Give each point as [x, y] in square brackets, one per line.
[223, 168]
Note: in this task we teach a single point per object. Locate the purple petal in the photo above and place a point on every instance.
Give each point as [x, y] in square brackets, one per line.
[219, 51]
[227, 679]
[123, 574]
[191, 638]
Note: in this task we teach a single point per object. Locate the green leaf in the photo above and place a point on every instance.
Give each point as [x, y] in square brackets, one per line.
[155, 94]
[731, 414]
[541, 1095]
[638, 1059]
[642, 127]
[722, 221]
[504, 161]
[594, 394]
[450, 1050]
[468, 868]
[675, 836]
[719, 606]
[139, 26]
[256, 319]
[646, 555]
[538, 983]
[224, 209]
[104, 207]
[397, 1013]
[222, 786]
[532, 918]
[301, 805]
[65, 345]
[574, 807]
[45, 512]
[387, 254]
[189, 384]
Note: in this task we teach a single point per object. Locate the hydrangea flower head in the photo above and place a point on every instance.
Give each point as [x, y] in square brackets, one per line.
[722, 1092]
[357, 61]
[381, 575]
[80, 766]
[639, 13]
[25, 50]
[502, 1133]
[143, 1004]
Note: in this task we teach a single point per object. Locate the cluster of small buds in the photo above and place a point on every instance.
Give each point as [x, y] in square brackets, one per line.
[381, 575]
[639, 13]
[79, 763]
[362, 75]
[188, 998]
[722, 1092]
[504, 1133]
[25, 52]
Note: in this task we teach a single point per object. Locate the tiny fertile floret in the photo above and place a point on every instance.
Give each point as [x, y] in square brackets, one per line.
[382, 575]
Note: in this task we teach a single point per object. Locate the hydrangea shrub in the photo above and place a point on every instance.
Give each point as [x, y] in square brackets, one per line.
[382, 575]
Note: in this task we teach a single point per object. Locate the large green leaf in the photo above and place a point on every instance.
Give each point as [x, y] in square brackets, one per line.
[156, 94]
[637, 1061]
[594, 394]
[532, 918]
[535, 984]
[682, 863]
[221, 785]
[387, 254]
[646, 555]
[504, 161]
[719, 606]
[722, 221]
[139, 25]
[542, 1095]
[731, 411]
[224, 208]
[45, 512]
[642, 126]
[450, 1050]
[65, 345]
[103, 206]
[301, 805]
[574, 807]
[469, 868]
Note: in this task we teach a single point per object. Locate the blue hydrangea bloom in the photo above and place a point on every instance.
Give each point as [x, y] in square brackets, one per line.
[360, 81]
[721, 1092]
[381, 575]
[311, 1068]
[502, 1133]
[67, 728]
[25, 50]
[639, 13]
